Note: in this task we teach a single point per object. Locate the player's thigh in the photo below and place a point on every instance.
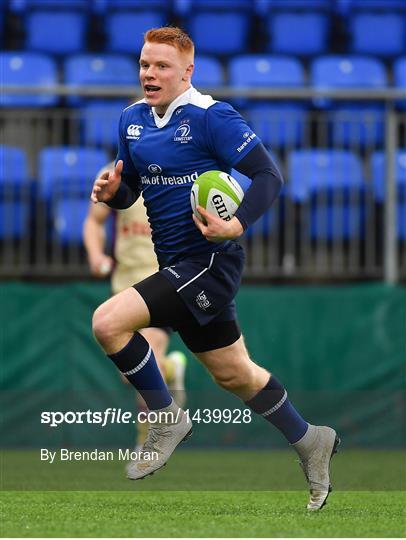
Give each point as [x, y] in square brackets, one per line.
[124, 312]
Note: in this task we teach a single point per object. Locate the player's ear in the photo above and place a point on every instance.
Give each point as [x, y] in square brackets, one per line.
[188, 72]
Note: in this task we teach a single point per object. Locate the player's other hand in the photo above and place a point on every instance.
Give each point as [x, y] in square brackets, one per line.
[216, 229]
[106, 186]
[101, 265]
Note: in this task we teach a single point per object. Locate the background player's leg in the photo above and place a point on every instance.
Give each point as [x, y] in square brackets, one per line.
[175, 367]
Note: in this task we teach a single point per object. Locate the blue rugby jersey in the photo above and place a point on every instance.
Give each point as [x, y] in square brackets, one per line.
[164, 156]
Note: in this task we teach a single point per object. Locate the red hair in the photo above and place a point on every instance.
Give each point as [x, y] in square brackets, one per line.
[171, 35]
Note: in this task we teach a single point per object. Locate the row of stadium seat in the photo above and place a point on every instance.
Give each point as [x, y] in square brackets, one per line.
[65, 32]
[248, 71]
[332, 182]
[185, 6]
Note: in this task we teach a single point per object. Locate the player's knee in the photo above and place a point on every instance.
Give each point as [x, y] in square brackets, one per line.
[103, 327]
[233, 381]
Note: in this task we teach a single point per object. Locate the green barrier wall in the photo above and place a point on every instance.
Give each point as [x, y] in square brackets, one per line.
[340, 351]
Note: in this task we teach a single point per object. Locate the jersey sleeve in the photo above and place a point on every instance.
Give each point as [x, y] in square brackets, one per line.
[123, 152]
[229, 136]
[129, 189]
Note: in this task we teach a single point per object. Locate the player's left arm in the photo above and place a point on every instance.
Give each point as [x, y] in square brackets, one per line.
[235, 144]
[264, 189]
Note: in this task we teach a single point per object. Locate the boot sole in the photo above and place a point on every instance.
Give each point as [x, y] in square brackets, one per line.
[333, 451]
[187, 436]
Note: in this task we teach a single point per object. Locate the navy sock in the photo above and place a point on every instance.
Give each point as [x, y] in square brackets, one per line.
[137, 362]
[272, 403]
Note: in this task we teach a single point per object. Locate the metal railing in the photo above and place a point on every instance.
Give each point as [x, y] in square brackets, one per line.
[343, 233]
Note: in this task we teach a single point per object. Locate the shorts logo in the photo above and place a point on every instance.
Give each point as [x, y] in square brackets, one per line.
[202, 301]
[182, 134]
[170, 269]
[134, 131]
[154, 168]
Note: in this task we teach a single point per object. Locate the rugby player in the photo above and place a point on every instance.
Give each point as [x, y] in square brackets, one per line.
[165, 141]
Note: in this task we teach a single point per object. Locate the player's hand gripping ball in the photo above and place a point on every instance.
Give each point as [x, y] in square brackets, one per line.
[218, 192]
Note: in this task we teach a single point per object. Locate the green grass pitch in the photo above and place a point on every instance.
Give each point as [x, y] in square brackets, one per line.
[202, 494]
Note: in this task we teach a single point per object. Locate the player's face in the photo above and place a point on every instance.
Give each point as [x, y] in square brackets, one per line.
[164, 74]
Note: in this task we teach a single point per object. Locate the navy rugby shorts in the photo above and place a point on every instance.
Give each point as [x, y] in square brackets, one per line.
[196, 297]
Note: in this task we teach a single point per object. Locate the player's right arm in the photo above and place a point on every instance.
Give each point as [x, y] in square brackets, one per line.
[120, 188]
[107, 184]
[94, 238]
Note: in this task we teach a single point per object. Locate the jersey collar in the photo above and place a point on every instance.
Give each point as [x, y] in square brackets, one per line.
[183, 99]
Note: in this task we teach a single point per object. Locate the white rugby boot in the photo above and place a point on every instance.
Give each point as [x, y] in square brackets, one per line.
[315, 449]
[163, 437]
[176, 363]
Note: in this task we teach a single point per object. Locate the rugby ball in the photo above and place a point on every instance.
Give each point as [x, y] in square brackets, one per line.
[218, 192]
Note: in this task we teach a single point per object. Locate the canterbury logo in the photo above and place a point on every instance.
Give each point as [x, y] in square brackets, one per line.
[134, 130]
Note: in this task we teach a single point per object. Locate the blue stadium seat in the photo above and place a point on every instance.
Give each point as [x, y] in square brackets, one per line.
[2, 18]
[314, 170]
[125, 30]
[351, 123]
[265, 70]
[13, 166]
[69, 171]
[25, 68]
[347, 6]
[103, 6]
[14, 218]
[309, 37]
[264, 6]
[399, 76]
[68, 219]
[99, 70]
[357, 125]
[100, 122]
[378, 34]
[14, 193]
[277, 124]
[220, 33]
[331, 183]
[378, 162]
[185, 6]
[337, 71]
[19, 6]
[56, 32]
[208, 72]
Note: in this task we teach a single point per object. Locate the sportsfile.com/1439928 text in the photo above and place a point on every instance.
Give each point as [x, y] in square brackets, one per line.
[113, 415]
